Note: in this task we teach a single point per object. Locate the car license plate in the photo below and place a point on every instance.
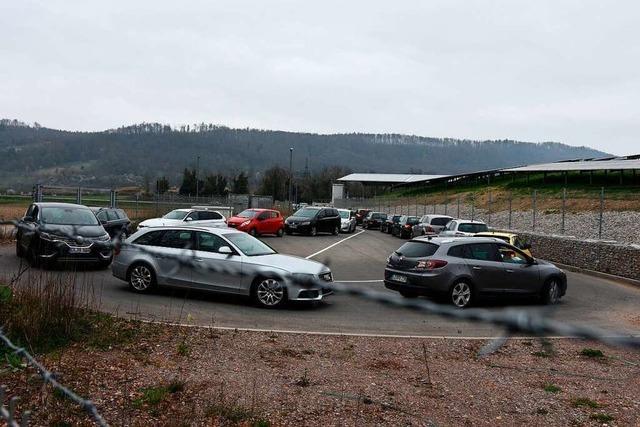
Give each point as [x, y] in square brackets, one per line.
[292, 226]
[399, 278]
[79, 250]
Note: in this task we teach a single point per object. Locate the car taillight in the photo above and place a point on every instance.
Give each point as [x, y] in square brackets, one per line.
[407, 226]
[430, 228]
[116, 250]
[431, 264]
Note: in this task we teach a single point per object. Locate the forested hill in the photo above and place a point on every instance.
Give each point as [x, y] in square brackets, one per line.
[124, 156]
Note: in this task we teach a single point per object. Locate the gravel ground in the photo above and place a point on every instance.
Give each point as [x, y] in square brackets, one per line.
[187, 376]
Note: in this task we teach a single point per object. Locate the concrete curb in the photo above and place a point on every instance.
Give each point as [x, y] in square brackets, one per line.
[598, 274]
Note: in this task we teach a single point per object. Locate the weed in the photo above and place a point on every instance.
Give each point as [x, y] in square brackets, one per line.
[261, 423]
[592, 352]
[231, 413]
[541, 354]
[551, 388]
[58, 394]
[152, 396]
[304, 381]
[583, 402]
[14, 361]
[542, 411]
[183, 349]
[602, 418]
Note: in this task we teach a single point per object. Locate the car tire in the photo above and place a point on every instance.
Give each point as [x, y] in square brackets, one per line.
[19, 249]
[313, 231]
[551, 291]
[336, 230]
[461, 294]
[32, 257]
[141, 278]
[408, 294]
[280, 232]
[288, 232]
[269, 293]
[253, 232]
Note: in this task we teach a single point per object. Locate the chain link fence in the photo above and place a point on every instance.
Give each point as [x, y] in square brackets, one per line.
[594, 214]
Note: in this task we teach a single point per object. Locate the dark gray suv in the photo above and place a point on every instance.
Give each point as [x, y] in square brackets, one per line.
[466, 268]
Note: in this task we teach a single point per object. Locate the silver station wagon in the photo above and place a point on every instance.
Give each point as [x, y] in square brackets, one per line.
[217, 259]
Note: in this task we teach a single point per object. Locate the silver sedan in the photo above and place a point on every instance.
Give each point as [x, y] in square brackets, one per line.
[218, 259]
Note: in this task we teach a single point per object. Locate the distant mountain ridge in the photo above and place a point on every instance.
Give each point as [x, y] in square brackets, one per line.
[133, 154]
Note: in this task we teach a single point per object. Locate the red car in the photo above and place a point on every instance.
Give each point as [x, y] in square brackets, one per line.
[258, 221]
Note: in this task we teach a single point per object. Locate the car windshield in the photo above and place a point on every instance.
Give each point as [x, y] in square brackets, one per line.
[248, 213]
[467, 227]
[345, 214]
[249, 245]
[306, 212]
[177, 214]
[68, 216]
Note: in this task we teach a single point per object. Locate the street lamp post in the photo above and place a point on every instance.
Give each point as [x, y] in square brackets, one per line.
[290, 175]
[197, 167]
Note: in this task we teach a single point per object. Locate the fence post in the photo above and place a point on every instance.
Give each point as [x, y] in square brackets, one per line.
[446, 202]
[533, 206]
[601, 213]
[473, 205]
[564, 206]
[137, 213]
[416, 206]
[489, 214]
[510, 207]
[434, 206]
[458, 214]
[79, 196]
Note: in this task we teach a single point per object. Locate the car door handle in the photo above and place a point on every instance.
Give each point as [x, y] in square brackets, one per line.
[475, 267]
[198, 259]
[509, 271]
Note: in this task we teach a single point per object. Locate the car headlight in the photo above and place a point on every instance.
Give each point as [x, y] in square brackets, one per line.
[104, 238]
[245, 223]
[305, 223]
[48, 236]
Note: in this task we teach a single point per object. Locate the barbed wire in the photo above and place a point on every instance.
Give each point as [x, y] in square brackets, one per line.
[511, 320]
[8, 414]
[49, 377]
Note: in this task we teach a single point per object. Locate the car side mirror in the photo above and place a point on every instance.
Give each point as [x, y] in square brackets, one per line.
[27, 218]
[526, 246]
[103, 221]
[188, 219]
[225, 250]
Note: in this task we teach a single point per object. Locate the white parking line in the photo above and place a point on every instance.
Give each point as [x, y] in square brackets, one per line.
[335, 244]
[360, 281]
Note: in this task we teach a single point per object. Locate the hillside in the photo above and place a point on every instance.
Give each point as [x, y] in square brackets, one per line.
[127, 155]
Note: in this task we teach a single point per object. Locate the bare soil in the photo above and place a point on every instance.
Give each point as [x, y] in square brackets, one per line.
[164, 375]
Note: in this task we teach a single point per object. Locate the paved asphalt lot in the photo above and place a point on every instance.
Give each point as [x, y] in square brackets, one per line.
[359, 261]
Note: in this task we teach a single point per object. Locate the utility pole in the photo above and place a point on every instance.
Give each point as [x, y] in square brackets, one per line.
[290, 175]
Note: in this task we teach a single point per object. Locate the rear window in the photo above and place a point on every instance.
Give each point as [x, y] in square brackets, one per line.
[417, 249]
[413, 220]
[468, 227]
[440, 221]
[122, 214]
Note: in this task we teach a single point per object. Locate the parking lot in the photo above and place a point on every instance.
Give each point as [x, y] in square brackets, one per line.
[356, 259]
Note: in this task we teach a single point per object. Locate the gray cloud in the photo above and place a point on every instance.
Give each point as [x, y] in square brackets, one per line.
[567, 71]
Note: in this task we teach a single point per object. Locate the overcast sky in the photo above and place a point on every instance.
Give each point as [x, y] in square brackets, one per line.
[565, 71]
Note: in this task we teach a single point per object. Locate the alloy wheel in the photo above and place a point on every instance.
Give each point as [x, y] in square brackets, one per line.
[313, 231]
[270, 292]
[461, 294]
[553, 292]
[140, 278]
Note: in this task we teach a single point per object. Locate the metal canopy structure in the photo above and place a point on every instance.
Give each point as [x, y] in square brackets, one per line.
[609, 163]
[575, 165]
[389, 178]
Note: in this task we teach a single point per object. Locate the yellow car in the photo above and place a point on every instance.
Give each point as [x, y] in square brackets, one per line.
[510, 238]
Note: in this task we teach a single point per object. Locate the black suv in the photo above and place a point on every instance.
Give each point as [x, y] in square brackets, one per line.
[115, 221]
[404, 227]
[312, 220]
[387, 226]
[44, 235]
[374, 220]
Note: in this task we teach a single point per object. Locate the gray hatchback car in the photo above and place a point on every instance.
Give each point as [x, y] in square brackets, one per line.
[222, 260]
[466, 268]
